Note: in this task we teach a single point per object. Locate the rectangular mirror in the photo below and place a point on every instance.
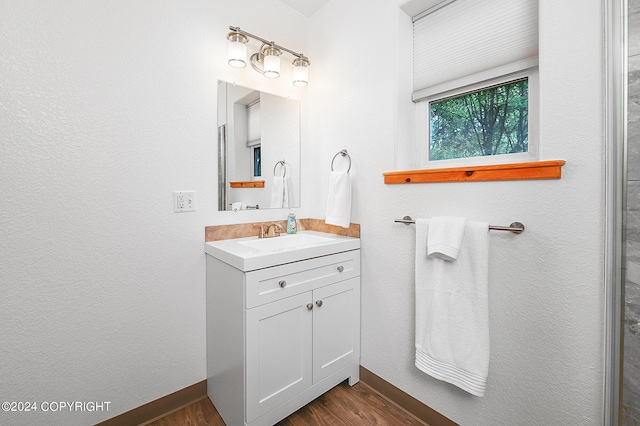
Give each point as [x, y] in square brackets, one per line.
[258, 149]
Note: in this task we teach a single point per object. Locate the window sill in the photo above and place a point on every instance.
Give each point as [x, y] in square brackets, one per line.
[247, 184]
[551, 169]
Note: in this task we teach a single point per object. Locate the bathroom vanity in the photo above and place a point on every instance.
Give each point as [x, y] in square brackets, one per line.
[283, 322]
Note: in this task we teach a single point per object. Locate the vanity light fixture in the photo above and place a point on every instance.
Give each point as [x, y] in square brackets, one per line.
[267, 60]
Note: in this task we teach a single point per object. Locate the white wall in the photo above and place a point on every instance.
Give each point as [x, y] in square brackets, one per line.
[546, 287]
[105, 109]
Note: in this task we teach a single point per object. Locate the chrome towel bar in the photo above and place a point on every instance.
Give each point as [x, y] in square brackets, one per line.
[344, 153]
[515, 227]
[284, 168]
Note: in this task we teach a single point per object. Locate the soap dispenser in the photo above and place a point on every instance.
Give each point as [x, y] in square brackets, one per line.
[291, 223]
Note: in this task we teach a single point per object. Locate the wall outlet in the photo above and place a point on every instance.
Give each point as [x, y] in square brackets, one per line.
[184, 201]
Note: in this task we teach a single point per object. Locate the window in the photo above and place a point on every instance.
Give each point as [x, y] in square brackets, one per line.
[490, 121]
[482, 123]
[475, 82]
[496, 120]
[257, 165]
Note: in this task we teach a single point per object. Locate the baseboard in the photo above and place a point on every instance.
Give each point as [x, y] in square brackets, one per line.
[403, 400]
[160, 407]
[172, 402]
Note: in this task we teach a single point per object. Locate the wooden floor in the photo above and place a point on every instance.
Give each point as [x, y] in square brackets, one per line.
[343, 405]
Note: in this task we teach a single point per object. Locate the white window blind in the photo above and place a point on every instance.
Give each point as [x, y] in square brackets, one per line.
[472, 37]
[253, 123]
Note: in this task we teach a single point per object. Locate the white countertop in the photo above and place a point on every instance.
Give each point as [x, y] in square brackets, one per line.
[250, 253]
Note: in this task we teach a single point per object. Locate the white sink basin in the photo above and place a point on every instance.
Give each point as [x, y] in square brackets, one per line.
[248, 254]
[285, 242]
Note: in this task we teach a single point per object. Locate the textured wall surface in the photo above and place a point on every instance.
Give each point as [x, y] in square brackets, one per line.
[546, 289]
[105, 109]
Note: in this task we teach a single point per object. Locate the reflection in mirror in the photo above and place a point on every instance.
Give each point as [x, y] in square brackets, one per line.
[258, 149]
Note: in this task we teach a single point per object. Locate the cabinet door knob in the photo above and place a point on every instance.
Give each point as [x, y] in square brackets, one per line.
[282, 284]
[319, 302]
[309, 306]
[340, 268]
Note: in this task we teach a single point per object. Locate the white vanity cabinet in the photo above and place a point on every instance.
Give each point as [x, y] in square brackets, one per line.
[279, 337]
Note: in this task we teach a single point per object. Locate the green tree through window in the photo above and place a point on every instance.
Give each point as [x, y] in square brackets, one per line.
[487, 122]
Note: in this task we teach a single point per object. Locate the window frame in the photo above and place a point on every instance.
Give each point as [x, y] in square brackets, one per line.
[522, 69]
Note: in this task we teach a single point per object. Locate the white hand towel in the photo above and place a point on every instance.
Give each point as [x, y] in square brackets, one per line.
[445, 237]
[339, 200]
[237, 206]
[452, 315]
[285, 192]
[277, 192]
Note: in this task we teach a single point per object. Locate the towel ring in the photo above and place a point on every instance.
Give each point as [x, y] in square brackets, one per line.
[284, 168]
[343, 153]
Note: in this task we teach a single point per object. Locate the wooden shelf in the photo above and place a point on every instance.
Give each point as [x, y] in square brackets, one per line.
[551, 169]
[247, 184]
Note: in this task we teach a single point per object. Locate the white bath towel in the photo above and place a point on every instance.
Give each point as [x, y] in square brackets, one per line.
[339, 199]
[445, 237]
[279, 193]
[452, 315]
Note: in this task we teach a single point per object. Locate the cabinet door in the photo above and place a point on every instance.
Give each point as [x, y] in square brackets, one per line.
[278, 353]
[336, 325]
